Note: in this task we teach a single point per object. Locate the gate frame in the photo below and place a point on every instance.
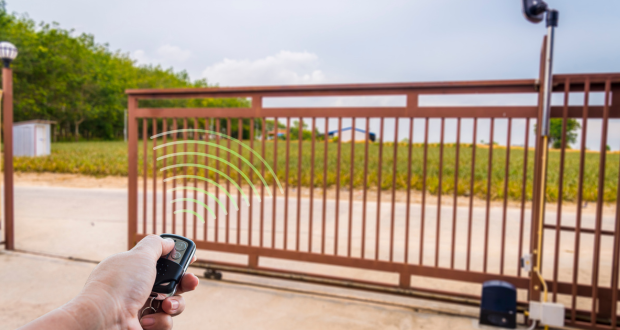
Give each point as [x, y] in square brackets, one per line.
[578, 82]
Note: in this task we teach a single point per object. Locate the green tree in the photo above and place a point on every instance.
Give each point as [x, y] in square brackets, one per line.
[306, 134]
[555, 132]
[81, 84]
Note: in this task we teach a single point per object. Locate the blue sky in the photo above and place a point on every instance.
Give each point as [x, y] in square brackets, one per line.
[236, 43]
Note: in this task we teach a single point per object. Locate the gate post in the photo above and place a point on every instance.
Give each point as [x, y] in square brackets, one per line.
[538, 204]
[132, 173]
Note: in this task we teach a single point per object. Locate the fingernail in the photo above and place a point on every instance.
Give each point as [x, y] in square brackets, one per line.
[146, 321]
[175, 304]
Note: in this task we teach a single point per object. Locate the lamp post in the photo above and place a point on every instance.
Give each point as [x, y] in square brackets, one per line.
[8, 52]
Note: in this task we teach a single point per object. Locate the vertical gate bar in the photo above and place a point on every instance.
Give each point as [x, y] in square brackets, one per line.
[194, 133]
[379, 187]
[393, 211]
[324, 185]
[240, 151]
[310, 215]
[174, 173]
[523, 194]
[488, 205]
[217, 179]
[206, 196]
[599, 204]
[257, 104]
[337, 220]
[408, 211]
[275, 168]
[439, 192]
[252, 177]
[558, 222]
[582, 154]
[616, 256]
[163, 190]
[423, 206]
[456, 186]
[229, 133]
[299, 139]
[132, 176]
[365, 188]
[185, 177]
[144, 174]
[505, 206]
[288, 144]
[154, 177]
[350, 238]
[471, 193]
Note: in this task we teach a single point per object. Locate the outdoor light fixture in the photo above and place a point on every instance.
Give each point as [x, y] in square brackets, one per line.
[8, 52]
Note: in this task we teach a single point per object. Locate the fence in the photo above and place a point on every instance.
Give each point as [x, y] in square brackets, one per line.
[423, 210]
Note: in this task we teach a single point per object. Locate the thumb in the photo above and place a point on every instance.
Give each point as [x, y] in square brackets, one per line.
[155, 246]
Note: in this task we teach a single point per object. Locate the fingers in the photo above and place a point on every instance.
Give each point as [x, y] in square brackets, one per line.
[157, 321]
[189, 282]
[174, 305]
[155, 246]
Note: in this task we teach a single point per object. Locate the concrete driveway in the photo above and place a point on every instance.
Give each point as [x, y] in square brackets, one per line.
[90, 224]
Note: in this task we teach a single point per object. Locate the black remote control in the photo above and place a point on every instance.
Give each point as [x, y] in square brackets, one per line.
[172, 267]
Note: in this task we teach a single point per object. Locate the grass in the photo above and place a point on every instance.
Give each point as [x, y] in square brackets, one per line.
[110, 158]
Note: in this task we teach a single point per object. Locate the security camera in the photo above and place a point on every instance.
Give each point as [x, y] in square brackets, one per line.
[534, 10]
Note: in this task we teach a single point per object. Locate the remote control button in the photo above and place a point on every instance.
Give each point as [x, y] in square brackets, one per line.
[176, 255]
[180, 246]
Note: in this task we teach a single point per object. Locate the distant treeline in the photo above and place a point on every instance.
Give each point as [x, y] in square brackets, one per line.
[79, 83]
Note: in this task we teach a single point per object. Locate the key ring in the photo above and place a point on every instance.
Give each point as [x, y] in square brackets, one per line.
[149, 307]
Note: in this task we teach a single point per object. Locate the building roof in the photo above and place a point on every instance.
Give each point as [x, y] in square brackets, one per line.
[35, 121]
[348, 129]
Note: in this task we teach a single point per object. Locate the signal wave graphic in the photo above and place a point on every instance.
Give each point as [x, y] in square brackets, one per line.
[209, 168]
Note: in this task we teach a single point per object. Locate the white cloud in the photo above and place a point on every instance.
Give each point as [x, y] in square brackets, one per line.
[173, 53]
[284, 68]
[166, 55]
[140, 57]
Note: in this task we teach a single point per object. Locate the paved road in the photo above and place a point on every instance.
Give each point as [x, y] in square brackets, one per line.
[91, 224]
[34, 285]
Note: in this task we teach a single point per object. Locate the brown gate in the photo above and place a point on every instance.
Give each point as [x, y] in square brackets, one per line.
[401, 199]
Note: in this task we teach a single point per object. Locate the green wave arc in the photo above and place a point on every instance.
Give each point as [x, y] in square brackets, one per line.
[191, 212]
[217, 200]
[202, 154]
[218, 172]
[197, 202]
[232, 139]
[210, 181]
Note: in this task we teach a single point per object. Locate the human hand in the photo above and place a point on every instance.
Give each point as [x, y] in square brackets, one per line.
[116, 291]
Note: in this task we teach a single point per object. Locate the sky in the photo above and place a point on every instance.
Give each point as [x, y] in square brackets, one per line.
[249, 43]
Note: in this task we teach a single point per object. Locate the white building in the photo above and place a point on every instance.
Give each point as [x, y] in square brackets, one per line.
[32, 138]
[346, 135]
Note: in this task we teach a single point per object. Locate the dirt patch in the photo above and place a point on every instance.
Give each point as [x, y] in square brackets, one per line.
[69, 180]
[415, 197]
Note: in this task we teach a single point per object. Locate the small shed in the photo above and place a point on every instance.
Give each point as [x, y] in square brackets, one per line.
[32, 138]
[347, 135]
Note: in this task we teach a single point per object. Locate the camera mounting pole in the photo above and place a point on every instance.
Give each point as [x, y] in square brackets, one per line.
[533, 10]
[552, 23]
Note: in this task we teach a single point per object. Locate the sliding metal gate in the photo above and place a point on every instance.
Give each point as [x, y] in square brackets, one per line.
[419, 207]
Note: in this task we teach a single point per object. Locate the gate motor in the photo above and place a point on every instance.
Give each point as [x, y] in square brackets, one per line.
[499, 304]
